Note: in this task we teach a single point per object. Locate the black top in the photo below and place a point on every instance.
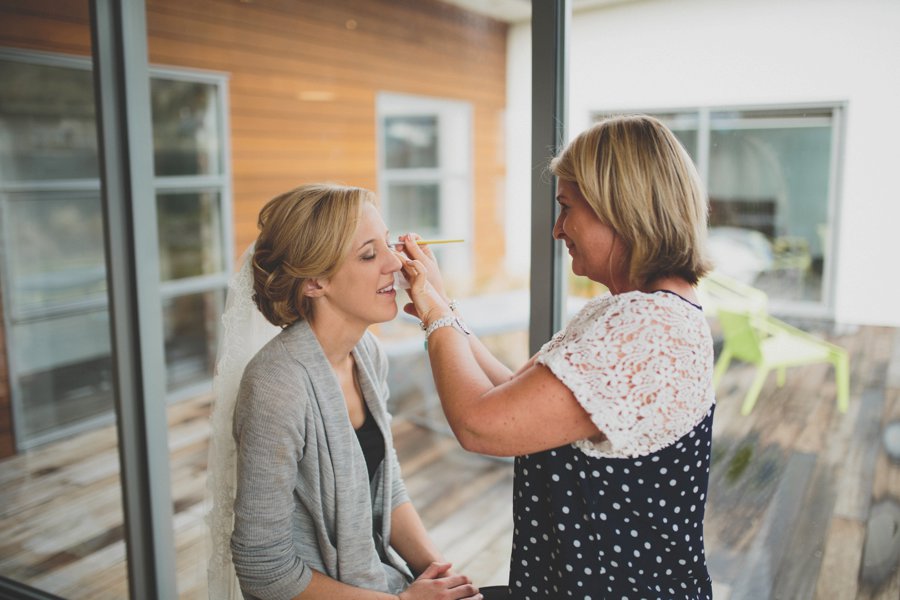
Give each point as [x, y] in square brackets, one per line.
[372, 443]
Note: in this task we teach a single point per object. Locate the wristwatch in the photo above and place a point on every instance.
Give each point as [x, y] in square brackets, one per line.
[451, 321]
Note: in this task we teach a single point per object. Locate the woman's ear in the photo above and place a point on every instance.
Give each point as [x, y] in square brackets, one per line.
[313, 288]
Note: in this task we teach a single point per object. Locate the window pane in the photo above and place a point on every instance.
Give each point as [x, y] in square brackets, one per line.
[54, 250]
[190, 234]
[63, 371]
[684, 126]
[415, 207]
[411, 142]
[185, 128]
[46, 123]
[191, 325]
[768, 190]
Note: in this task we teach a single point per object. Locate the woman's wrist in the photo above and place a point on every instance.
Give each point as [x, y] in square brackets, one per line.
[434, 316]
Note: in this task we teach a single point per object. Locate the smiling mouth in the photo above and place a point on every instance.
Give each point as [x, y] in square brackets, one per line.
[386, 289]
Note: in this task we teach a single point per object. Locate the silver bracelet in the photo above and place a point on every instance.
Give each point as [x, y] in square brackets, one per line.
[452, 305]
[452, 321]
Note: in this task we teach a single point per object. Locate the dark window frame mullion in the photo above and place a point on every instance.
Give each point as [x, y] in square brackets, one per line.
[122, 94]
[550, 25]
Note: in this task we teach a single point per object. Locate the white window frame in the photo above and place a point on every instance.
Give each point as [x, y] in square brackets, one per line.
[453, 173]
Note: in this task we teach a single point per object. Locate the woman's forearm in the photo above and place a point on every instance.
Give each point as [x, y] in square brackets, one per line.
[323, 587]
[460, 381]
[410, 540]
[495, 370]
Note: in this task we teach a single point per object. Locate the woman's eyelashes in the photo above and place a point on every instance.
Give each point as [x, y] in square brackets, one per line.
[371, 253]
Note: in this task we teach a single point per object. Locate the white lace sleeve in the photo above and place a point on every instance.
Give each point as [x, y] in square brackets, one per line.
[640, 365]
[244, 331]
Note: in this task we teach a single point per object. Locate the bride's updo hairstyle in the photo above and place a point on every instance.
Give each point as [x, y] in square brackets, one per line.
[303, 234]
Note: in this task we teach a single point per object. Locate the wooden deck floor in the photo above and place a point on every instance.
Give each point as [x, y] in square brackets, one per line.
[804, 502]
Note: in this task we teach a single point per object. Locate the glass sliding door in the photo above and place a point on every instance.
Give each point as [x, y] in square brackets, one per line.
[769, 174]
[56, 314]
[61, 500]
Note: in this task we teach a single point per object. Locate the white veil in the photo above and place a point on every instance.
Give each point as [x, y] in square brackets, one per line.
[244, 332]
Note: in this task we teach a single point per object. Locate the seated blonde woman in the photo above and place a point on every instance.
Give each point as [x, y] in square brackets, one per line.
[320, 509]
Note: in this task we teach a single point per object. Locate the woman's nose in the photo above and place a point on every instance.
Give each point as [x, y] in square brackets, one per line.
[557, 228]
[395, 263]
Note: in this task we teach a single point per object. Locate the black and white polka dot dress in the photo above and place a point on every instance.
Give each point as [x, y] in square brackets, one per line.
[622, 518]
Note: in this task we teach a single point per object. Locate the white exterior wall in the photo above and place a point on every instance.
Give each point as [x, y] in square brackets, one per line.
[663, 54]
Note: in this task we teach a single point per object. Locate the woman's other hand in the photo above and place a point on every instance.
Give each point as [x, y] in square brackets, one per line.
[424, 255]
[426, 284]
[427, 304]
[438, 583]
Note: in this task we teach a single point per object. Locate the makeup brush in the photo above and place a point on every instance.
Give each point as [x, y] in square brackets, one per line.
[427, 242]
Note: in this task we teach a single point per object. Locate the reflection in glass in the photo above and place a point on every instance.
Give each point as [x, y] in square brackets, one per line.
[59, 336]
[190, 326]
[768, 179]
[60, 500]
[54, 250]
[185, 128]
[772, 185]
[64, 371]
[46, 123]
[190, 234]
[411, 142]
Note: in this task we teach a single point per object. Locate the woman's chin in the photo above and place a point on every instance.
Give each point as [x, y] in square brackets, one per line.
[390, 314]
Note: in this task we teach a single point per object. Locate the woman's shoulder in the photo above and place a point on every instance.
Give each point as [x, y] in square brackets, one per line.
[637, 308]
[628, 316]
[275, 390]
[273, 356]
[275, 372]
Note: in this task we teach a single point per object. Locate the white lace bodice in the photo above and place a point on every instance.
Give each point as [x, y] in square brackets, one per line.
[641, 366]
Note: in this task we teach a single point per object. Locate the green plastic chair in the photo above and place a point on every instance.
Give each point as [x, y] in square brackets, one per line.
[756, 338]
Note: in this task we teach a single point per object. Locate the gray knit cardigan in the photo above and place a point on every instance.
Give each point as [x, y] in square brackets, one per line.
[304, 501]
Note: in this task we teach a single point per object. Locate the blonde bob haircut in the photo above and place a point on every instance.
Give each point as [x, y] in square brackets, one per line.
[641, 182]
[303, 234]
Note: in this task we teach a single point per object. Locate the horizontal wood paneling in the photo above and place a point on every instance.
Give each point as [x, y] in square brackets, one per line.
[275, 50]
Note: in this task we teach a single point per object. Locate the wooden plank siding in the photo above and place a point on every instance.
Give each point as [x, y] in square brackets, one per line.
[350, 51]
[278, 52]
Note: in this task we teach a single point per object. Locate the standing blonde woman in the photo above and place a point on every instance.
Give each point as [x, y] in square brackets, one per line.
[319, 506]
[610, 422]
